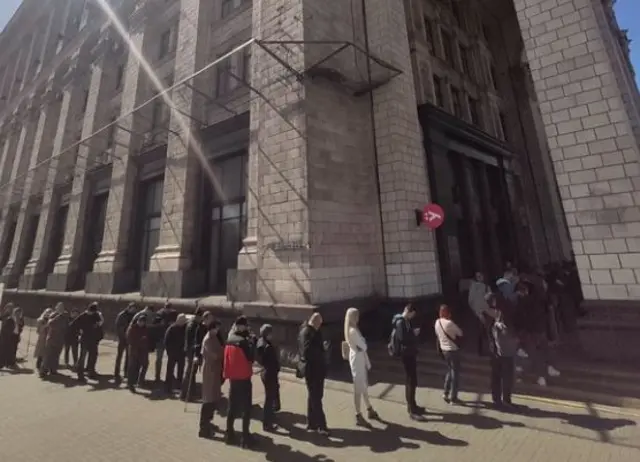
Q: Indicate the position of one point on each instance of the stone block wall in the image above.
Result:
(589, 133)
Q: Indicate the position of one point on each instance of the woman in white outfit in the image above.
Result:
(360, 365)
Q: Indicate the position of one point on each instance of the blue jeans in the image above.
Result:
(451, 379)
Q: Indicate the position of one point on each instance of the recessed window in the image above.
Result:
(111, 133)
(465, 60)
(447, 50)
(456, 102)
(503, 125)
(246, 66)
(165, 44)
(227, 7)
(437, 91)
(428, 32)
(224, 82)
(151, 215)
(119, 76)
(494, 76)
(474, 111)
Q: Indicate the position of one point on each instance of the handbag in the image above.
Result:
(344, 348)
(438, 347)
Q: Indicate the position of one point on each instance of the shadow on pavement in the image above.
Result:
(17, 371)
(587, 421)
(277, 452)
(381, 437)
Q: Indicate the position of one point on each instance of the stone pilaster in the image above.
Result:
(591, 141)
(410, 252)
(171, 273)
(65, 272)
(110, 271)
(18, 193)
(58, 167)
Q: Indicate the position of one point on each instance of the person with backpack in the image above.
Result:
(448, 335)
(403, 344)
(123, 321)
(267, 357)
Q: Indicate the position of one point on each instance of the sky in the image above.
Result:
(627, 11)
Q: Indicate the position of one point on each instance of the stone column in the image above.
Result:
(110, 273)
(65, 272)
(71, 103)
(171, 273)
(410, 252)
(589, 132)
(19, 193)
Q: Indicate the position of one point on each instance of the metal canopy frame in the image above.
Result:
(329, 64)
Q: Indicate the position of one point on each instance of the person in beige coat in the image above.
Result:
(41, 331)
(212, 359)
(56, 334)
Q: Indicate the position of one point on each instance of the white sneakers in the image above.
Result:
(542, 381)
(553, 372)
(519, 369)
(522, 354)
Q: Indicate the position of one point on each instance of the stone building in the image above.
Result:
(272, 154)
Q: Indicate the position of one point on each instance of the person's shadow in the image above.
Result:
(380, 437)
(476, 420)
(588, 422)
(17, 371)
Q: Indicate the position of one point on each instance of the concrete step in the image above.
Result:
(579, 381)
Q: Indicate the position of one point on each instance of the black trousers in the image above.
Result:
(271, 397)
(175, 370)
(136, 366)
(240, 402)
(71, 347)
(120, 353)
(410, 364)
(502, 375)
(189, 381)
(88, 358)
(316, 420)
(207, 411)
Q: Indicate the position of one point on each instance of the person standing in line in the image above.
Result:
(89, 325)
(71, 343)
(314, 370)
(212, 358)
(268, 358)
(7, 332)
(41, 331)
(56, 333)
(174, 346)
(360, 365)
(18, 322)
(195, 332)
(448, 335)
(504, 347)
(149, 313)
(161, 323)
(239, 353)
(138, 346)
(405, 345)
(478, 291)
(123, 321)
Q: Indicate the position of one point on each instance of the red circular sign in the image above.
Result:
(432, 216)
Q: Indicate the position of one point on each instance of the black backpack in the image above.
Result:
(394, 347)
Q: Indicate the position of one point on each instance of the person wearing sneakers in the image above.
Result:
(359, 364)
(503, 347)
(448, 336)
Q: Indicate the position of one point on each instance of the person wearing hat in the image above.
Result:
(138, 351)
(238, 369)
(267, 356)
(212, 357)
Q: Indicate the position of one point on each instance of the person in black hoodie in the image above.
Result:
(195, 332)
(314, 370)
(89, 324)
(174, 346)
(123, 321)
(268, 358)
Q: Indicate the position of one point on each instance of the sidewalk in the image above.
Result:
(68, 422)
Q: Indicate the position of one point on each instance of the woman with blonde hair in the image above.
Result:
(41, 331)
(359, 364)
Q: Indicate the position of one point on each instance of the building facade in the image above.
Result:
(273, 153)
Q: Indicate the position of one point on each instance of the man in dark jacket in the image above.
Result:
(89, 324)
(267, 356)
(313, 367)
(407, 338)
(123, 320)
(504, 346)
(239, 354)
(174, 340)
(161, 323)
(195, 332)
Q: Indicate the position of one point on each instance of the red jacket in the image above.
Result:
(238, 357)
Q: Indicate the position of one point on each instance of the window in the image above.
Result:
(30, 236)
(57, 240)
(157, 116)
(111, 133)
(151, 203)
(85, 101)
(503, 125)
(6, 251)
(227, 8)
(119, 76)
(465, 60)
(428, 32)
(474, 111)
(165, 44)
(95, 234)
(246, 66)
(456, 102)
(447, 51)
(223, 77)
(494, 76)
(437, 91)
